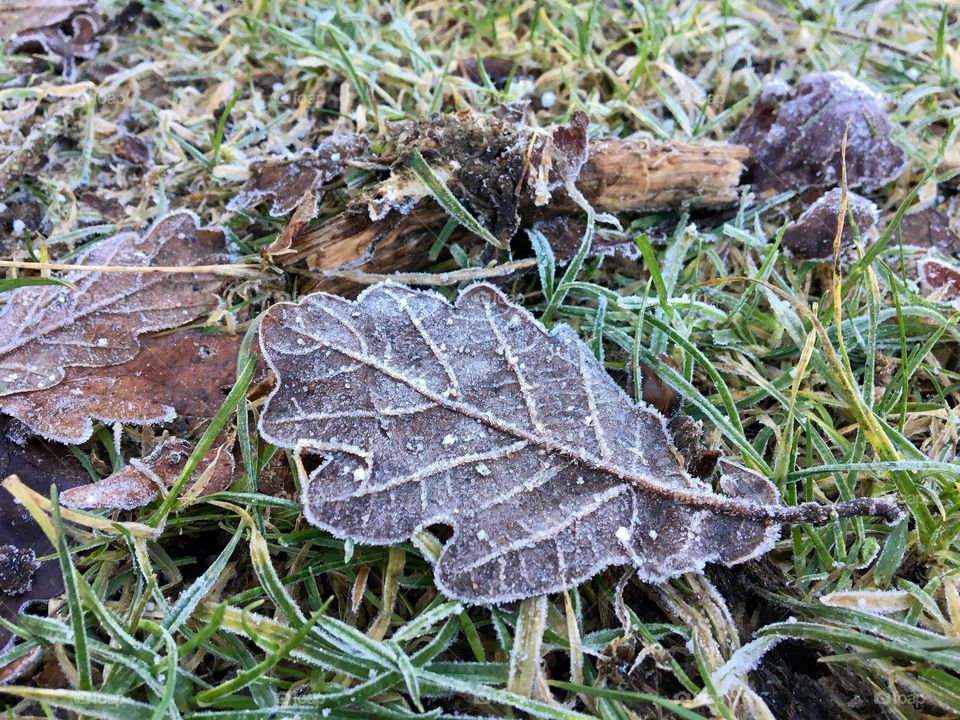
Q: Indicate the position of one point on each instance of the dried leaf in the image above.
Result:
(133, 150)
(17, 566)
(929, 229)
(811, 236)
(19, 16)
(44, 330)
(25, 582)
(565, 234)
(286, 181)
(179, 374)
(794, 135)
(491, 163)
(285, 244)
(80, 42)
(496, 69)
(137, 484)
(939, 275)
(473, 415)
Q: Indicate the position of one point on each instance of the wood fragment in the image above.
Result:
(620, 175)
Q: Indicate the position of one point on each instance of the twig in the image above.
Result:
(435, 279)
(229, 270)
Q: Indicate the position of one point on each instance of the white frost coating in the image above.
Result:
(552, 479)
(42, 329)
(735, 669)
(877, 602)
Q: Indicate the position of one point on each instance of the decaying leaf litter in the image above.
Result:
(873, 419)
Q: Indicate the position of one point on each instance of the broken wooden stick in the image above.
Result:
(620, 175)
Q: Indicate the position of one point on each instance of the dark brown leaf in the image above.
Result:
(286, 181)
(474, 416)
(794, 135)
(656, 392)
(810, 236)
(929, 229)
(179, 374)
(39, 467)
(133, 150)
(136, 484)
(46, 329)
(19, 16)
(939, 275)
(79, 42)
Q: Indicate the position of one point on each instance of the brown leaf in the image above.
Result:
(24, 582)
(301, 217)
(939, 275)
(133, 150)
(497, 70)
(810, 236)
(794, 135)
(136, 484)
(79, 42)
(45, 329)
(930, 229)
(179, 374)
(473, 415)
(286, 181)
(492, 162)
(19, 16)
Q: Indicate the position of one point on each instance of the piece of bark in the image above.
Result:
(620, 175)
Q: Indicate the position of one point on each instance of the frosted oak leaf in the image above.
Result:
(183, 374)
(474, 416)
(45, 329)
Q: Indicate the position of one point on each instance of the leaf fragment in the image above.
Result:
(44, 330)
(794, 135)
(178, 374)
(18, 16)
(23, 582)
(475, 416)
(79, 39)
(810, 236)
(929, 228)
(138, 483)
(285, 181)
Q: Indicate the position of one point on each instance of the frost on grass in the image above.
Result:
(46, 329)
(877, 602)
(285, 181)
(23, 580)
(182, 374)
(138, 483)
(811, 236)
(794, 135)
(474, 416)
